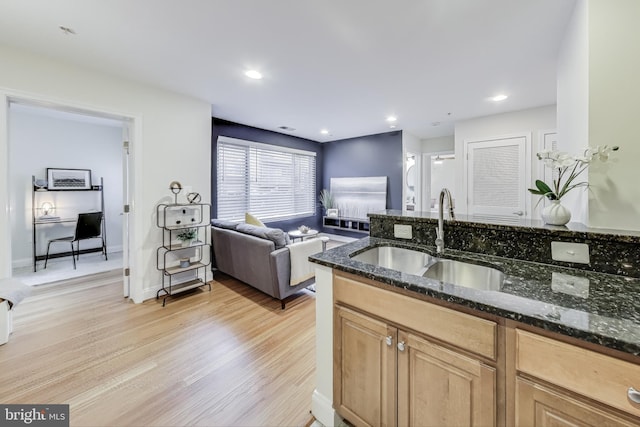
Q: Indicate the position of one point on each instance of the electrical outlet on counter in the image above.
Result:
(570, 252)
(401, 231)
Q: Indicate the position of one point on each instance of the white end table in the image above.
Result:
(297, 234)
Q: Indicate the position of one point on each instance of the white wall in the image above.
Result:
(534, 121)
(37, 142)
(614, 70)
(171, 141)
(441, 144)
(573, 101)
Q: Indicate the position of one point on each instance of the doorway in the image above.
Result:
(442, 173)
(43, 136)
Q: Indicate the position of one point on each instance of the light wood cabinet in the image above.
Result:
(386, 374)
(403, 361)
(365, 358)
(438, 386)
(560, 384)
(540, 406)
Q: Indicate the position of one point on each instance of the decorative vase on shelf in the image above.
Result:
(556, 213)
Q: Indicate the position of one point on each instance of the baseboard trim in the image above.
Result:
(322, 410)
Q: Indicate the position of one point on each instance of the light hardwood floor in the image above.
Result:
(229, 357)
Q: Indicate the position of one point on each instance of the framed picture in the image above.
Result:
(68, 179)
(333, 213)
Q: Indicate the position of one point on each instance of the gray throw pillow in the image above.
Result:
(220, 223)
(277, 236)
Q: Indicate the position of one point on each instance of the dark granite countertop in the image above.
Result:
(572, 229)
(604, 311)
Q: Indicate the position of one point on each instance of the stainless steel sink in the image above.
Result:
(466, 274)
(457, 273)
(400, 259)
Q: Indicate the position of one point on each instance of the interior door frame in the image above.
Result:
(6, 98)
(527, 165)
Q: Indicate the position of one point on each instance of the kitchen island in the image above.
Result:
(557, 332)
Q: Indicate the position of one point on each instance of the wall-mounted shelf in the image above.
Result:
(171, 257)
(358, 225)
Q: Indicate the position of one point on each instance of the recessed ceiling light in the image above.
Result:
(500, 97)
(253, 74)
(67, 30)
(324, 132)
(287, 128)
(392, 126)
(392, 118)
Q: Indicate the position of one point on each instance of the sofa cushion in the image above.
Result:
(252, 220)
(279, 238)
(220, 223)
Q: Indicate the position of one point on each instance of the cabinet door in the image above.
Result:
(539, 406)
(440, 387)
(364, 369)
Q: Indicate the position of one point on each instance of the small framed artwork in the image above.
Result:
(68, 179)
(333, 213)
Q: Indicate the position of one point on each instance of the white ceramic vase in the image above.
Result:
(556, 213)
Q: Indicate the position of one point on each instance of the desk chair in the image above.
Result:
(89, 226)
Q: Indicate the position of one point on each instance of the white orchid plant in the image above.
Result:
(568, 169)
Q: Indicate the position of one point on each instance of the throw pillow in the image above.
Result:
(277, 236)
(252, 220)
(220, 223)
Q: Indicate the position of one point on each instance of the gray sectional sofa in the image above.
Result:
(258, 256)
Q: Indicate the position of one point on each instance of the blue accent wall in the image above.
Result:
(240, 131)
(371, 155)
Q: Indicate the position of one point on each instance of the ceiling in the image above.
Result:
(340, 65)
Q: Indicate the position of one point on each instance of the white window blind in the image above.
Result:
(271, 182)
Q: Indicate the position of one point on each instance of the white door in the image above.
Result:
(497, 176)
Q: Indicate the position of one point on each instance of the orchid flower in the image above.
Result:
(568, 169)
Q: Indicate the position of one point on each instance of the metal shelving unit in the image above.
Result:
(183, 266)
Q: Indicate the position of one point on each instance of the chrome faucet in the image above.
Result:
(440, 230)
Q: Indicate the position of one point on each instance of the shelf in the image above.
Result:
(184, 286)
(181, 287)
(176, 270)
(177, 247)
(356, 225)
(174, 219)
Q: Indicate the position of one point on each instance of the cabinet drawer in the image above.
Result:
(594, 375)
(460, 329)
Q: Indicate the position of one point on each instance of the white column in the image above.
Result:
(322, 399)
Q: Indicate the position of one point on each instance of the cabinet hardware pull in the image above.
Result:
(401, 346)
(389, 340)
(634, 395)
(519, 213)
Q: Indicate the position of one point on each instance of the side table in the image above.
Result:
(297, 234)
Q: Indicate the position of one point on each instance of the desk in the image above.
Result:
(297, 234)
(68, 204)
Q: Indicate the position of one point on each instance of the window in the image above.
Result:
(273, 183)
